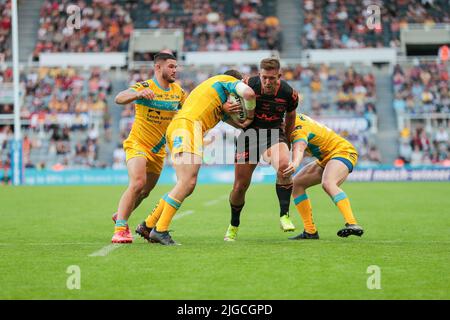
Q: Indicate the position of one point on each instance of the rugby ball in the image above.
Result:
(241, 115)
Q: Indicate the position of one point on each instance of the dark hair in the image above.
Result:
(270, 64)
(163, 56)
(233, 73)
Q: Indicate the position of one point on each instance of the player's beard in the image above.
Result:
(168, 78)
(269, 90)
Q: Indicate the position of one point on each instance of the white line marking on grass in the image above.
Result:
(103, 252)
(106, 250)
(183, 214)
(215, 201)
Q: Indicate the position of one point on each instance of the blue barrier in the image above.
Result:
(224, 174)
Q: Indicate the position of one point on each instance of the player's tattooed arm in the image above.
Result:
(130, 95)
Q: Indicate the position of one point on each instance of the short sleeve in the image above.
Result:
(139, 86)
(293, 101)
(300, 133)
(231, 86)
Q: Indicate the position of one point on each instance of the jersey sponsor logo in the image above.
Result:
(266, 117)
(279, 100)
(154, 111)
(145, 84)
(154, 116)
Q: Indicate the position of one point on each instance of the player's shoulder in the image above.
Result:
(176, 86)
(224, 78)
(288, 92)
(285, 87)
(142, 84)
(303, 118)
(255, 80)
(147, 83)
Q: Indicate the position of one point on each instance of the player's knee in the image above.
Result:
(328, 186)
(145, 193)
(241, 188)
(281, 168)
(137, 186)
(189, 185)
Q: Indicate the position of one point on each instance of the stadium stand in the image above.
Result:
(327, 24)
(105, 27)
(208, 25)
(5, 30)
(422, 106)
(63, 113)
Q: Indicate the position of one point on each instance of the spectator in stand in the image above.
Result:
(441, 136)
(5, 31)
(105, 27)
(422, 88)
(340, 24)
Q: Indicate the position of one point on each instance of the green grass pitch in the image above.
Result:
(47, 229)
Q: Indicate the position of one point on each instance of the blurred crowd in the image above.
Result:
(421, 88)
(343, 23)
(328, 90)
(66, 91)
(420, 148)
(218, 25)
(63, 112)
(105, 26)
(5, 30)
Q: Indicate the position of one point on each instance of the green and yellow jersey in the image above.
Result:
(322, 142)
(154, 116)
(204, 103)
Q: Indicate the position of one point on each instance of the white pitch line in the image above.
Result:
(183, 214)
(215, 201)
(103, 252)
(106, 250)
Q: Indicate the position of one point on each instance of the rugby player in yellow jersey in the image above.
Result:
(156, 101)
(336, 158)
(202, 110)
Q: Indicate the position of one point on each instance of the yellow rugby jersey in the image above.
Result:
(153, 116)
(204, 103)
(321, 140)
